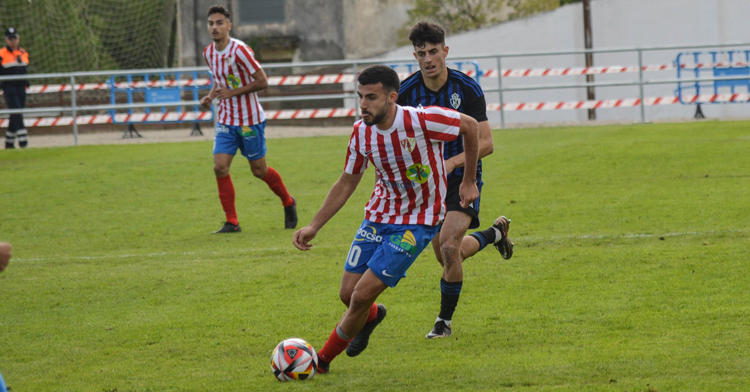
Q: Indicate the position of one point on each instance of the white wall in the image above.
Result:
(615, 24)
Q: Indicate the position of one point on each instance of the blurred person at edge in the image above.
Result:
(5, 250)
(14, 60)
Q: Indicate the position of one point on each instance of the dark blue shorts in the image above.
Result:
(251, 140)
(453, 199)
(388, 250)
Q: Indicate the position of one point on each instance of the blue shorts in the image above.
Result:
(388, 250)
(251, 140)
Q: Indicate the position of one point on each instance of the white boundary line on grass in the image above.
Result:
(630, 236)
(276, 249)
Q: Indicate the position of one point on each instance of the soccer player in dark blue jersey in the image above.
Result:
(437, 85)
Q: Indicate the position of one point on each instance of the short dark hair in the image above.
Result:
(218, 9)
(426, 32)
(375, 74)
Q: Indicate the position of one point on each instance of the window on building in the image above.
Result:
(261, 11)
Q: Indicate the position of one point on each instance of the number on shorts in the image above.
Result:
(354, 253)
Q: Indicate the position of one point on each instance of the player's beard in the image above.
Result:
(379, 117)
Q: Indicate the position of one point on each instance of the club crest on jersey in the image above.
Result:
(409, 143)
(455, 101)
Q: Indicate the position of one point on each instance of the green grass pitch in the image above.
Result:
(630, 270)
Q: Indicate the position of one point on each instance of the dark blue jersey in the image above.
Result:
(460, 92)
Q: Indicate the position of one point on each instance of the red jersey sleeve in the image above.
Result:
(442, 125)
(356, 162)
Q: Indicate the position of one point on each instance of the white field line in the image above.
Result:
(343, 247)
(630, 236)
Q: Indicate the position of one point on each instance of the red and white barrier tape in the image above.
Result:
(299, 80)
(620, 103)
(56, 88)
(515, 73)
(107, 119)
(346, 112)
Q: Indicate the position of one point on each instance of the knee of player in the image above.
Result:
(450, 252)
(259, 172)
(345, 297)
(221, 170)
(358, 301)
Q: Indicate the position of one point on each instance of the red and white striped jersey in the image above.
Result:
(408, 160)
(232, 68)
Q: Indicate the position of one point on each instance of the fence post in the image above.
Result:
(356, 104)
(640, 84)
(73, 106)
(500, 92)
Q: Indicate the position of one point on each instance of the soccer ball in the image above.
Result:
(294, 359)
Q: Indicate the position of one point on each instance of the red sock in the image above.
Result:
(373, 312)
(333, 347)
(226, 196)
(273, 179)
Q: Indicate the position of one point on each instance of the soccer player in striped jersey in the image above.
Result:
(237, 76)
(436, 84)
(405, 146)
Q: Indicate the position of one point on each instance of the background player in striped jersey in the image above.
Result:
(237, 76)
(436, 84)
(406, 207)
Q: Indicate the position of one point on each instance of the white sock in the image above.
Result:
(447, 322)
(498, 235)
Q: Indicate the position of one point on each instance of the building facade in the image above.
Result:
(298, 30)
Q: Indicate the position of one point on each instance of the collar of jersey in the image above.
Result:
(398, 120)
(225, 50)
(442, 88)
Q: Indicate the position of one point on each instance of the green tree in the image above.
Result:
(454, 15)
(524, 8)
(89, 35)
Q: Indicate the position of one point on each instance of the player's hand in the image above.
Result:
(223, 93)
(5, 250)
(206, 101)
(303, 236)
(468, 193)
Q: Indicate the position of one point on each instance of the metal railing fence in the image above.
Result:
(353, 67)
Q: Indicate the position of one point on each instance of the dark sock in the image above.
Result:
(484, 237)
(450, 291)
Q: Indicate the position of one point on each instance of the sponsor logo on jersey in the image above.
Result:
(406, 243)
(400, 185)
(222, 129)
(455, 101)
(368, 233)
(234, 81)
(418, 172)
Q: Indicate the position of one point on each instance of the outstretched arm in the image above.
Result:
(338, 195)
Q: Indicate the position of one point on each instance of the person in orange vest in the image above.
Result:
(14, 61)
